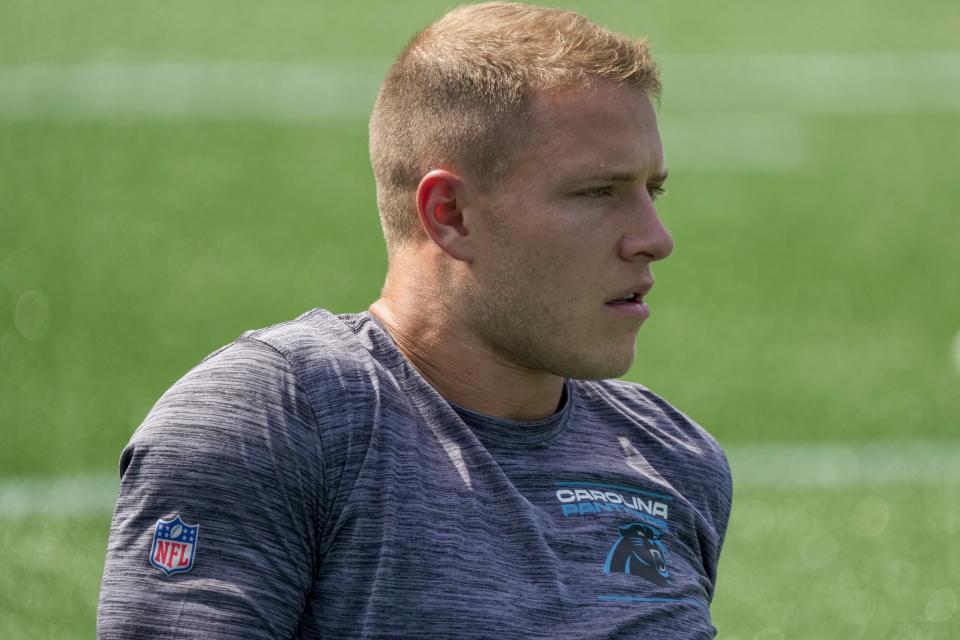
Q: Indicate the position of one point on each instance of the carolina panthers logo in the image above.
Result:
(639, 552)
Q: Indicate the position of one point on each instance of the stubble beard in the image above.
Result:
(529, 330)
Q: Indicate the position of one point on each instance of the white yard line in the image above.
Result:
(754, 142)
(200, 90)
(782, 466)
(58, 496)
(955, 352)
(720, 113)
(188, 91)
(755, 467)
(830, 84)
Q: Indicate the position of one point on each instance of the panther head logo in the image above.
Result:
(639, 552)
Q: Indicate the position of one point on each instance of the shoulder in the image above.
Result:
(322, 375)
(318, 356)
(323, 349)
(295, 368)
(683, 452)
(316, 339)
(678, 437)
(639, 403)
(242, 396)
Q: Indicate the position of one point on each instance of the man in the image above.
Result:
(453, 462)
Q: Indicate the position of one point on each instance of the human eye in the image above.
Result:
(601, 191)
(656, 191)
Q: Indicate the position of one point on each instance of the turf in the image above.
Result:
(804, 304)
(51, 575)
(841, 563)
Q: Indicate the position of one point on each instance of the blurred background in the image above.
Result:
(172, 174)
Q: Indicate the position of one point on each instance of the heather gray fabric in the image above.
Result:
(338, 495)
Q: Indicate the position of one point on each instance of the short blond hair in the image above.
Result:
(458, 96)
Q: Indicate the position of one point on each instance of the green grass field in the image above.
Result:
(812, 304)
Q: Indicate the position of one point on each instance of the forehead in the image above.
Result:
(602, 127)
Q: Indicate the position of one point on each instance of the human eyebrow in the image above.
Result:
(611, 177)
(657, 179)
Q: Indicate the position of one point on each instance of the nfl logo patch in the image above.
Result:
(174, 545)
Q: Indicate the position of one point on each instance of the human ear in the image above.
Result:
(440, 208)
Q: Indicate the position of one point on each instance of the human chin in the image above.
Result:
(600, 363)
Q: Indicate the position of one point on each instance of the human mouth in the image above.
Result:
(631, 305)
(627, 299)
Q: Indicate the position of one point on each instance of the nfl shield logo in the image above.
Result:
(174, 545)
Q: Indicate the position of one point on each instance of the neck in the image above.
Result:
(455, 361)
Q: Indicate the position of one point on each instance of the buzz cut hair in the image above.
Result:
(458, 97)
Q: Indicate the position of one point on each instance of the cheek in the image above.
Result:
(552, 255)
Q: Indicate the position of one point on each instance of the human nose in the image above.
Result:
(648, 237)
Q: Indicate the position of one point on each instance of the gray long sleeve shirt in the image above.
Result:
(305, 481)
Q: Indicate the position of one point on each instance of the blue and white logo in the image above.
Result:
(639, 551)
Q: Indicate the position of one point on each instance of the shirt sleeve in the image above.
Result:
(233, 448)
